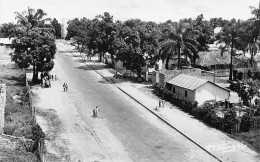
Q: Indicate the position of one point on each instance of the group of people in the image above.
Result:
(45, 79)
(65, 87)
(53, 77)
(161, 104)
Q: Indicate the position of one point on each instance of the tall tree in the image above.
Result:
(8, 30)
(35, 43)
(30, 18)
(103, 34)
(57, 27)
(253, 32)
(182, 36)
(231, 37)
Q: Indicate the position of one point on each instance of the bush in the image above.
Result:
(166, 94)
(235, 73)
(249, 74)
(240, 75)
(245, 123)
(230, 121)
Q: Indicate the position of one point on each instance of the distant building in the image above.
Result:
(196, 89)
(5, 43)
(64, 25)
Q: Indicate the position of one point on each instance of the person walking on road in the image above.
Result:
(96, 112)
(64, 87)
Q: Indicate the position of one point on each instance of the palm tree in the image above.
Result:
(181, 36)
(253, 32)
(30, 19)
(231, 35)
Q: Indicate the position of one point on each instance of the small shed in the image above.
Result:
(196, 89)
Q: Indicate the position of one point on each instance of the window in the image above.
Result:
(173, 89)
(186, 94)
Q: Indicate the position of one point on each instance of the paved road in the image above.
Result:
(125, 130)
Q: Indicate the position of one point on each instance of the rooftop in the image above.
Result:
(187, 81)
(6, 41)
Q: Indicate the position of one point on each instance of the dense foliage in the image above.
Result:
(34, 41)
(136, 42)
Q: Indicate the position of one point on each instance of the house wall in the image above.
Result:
(209, 91)
(181, 92)
(2, 106)
(2, 49)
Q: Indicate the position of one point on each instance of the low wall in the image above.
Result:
(15, 143)
(2, 106)
(225, 72)
(41, 142)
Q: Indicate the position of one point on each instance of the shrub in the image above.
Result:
(230, 121)
(235, 73)
(249, 74)
(245, 123)
(240, 75)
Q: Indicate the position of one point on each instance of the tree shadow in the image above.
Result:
(66, 51)
(92, 67)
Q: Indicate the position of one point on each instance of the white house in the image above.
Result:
(5, 43)
(196, 89)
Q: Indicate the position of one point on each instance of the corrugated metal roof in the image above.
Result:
(187, 81)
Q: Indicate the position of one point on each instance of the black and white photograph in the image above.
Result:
(129, 80)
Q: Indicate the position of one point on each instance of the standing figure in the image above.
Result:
(64, 87)
(55, 77)
(97, 111)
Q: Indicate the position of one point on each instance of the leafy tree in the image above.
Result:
(230, 121)
(182, 36)
(72, 28)
(253, 32)
(8, 30)
(35, 42)
(230, 36)
(30, 19)
(245, 123)
(57, 27)
(129, 44)
(205, 32)
(37, 48)
(103, 34)
(80, 31)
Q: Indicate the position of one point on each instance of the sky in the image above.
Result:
(146, 10)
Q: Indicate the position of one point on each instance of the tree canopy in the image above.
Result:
(135, 41)
(34, 42)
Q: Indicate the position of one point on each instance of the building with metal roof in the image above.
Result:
(196, 89)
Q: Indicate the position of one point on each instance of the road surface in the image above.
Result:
(125, 130)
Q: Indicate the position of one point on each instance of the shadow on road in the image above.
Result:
(91, 67)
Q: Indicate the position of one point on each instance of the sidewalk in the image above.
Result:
(214, 141)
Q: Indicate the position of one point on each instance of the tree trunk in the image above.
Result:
(167, 62)
(231, 60)
(35, 75)
(112, 61)
(252, 57)
(179, 56)
(101, 56)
